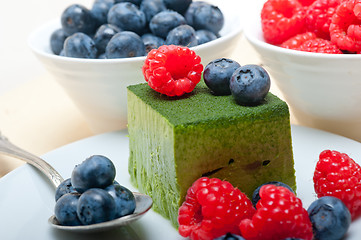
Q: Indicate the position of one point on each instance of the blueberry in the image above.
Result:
(229, 236)
(250, 84)
(102, 56)
(95, 205)
(96, 171)
(124, 200)
(80, 45)
(57, 39)
(136, 2)
(77, 18)
(204, 36)
(218, 73)
(330, 218)
(178, 5)
(66, 209)
(164, 21)
(100, 10)
(151, 41)
(209, 17)
(151, 8)
(256, 197)
(64, 188)
(183, 35)
(125, 44)
(102, 36)
(127, 17)
(188, 15)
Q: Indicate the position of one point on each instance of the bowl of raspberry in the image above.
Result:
(94, 52)
(311, 50)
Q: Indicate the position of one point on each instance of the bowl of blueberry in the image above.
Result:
(311, 49)
(94, 52)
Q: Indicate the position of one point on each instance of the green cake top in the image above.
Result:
(201, 106)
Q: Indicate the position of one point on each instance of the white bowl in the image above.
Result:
(98, 86)
(322, 90)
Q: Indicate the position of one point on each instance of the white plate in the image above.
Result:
(27, 198)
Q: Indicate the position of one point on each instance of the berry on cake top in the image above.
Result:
(175, 70)
(172, 70)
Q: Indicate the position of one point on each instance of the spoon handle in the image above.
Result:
(6, 147)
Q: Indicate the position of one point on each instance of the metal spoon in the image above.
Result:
(143, 202)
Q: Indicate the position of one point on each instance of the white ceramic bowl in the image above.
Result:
(98, 86)
(322, 90)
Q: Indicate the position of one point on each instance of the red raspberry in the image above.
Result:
(296, 41)
(172, 70)
(320, 45)
(282, 19)
(279, 215)
(308, 42)
(212, 208)
(345, 27)
(306, 2)
(319, 15)
(338, 175)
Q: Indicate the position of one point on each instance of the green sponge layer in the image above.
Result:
(174, 141)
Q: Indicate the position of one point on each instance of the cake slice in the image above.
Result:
(175, 141)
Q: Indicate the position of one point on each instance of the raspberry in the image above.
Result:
(320, 45)
(212, 208)
(306, 2)
(282, 19)
(345, 27)
(172, 70)
(319, 15)
(296, 41)
(308, 42)
(338, 175)
(279, 215)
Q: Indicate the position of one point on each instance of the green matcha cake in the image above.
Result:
(174, 141)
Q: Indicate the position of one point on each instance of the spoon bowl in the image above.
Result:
(143, 202)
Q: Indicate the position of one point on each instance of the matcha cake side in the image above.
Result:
(174, 141)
